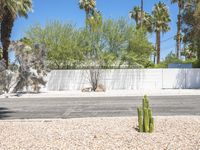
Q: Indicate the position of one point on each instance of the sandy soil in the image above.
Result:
(180, 133)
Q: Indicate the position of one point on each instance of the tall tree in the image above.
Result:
(139, 49)
(142, 10)
(9, 4)
(144, 22)
(89, 8)
(87, 5)
(135, 14)
(178, 36)
(9, 11)
(6, 29)
(191, 27)
(161, 19)
(93, 20)
(64, 42)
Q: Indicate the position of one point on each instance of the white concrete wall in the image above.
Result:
(130, 79)
(174, 78)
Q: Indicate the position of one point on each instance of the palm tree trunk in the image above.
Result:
(137, 24)
(6, 29)
(1, 12)
(178, 38)
(158, 46)
(86, 20)
(155, 53)
(142, 3)
(1, 18)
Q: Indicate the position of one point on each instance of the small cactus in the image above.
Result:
(151, 127)
(145, 119)
(140, 120)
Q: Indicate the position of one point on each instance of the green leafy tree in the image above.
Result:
(109, 42)
(116, 34)
(139, 50)
(170, 58)
(161, 21)
(63, 42)
(70, 47)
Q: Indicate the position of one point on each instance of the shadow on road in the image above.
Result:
(4, 112)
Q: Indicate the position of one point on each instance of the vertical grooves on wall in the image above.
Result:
(185, 78)
(162, 78)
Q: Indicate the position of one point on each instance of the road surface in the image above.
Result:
(48, 108)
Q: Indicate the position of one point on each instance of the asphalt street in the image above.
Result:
(46, 108)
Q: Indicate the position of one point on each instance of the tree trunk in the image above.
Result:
(155, 53)
(178, 38)
(6, 29)
(198, 51)
(137, 24)
(1, 11)
(158, 46)
(198, 55)
(142, 3)
(87, 21)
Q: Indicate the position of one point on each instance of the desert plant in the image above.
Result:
(94, 75)
(6, 78)
(31, 70)
(145, 119)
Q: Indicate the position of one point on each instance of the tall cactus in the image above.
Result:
(140, 120)
(145, 119)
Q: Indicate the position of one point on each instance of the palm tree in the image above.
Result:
(145, 21)
(9, 11)
(88, 6)
(178, 36)
(138, 14)
(142, 10)
(93, 17)
(6, 28)
(10, 4)
(135, 14)
(161, 19)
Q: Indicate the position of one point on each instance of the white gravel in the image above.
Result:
(172, 133)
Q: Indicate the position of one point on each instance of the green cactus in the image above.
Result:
(147, 103)
(143, 103)
(151, 127)
(145, 119)
(150, 113)
(140, 120)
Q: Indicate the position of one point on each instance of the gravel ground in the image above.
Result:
(173, 133)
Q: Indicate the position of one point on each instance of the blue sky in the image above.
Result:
(68, 10)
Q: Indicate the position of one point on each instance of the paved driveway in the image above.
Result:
(95, 107)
